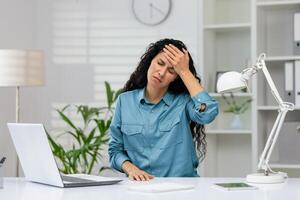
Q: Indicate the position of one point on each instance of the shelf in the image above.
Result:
(223, 12)
(241, 132)
(271, 108)
(238, 94)
(285, 166)
(261, 108)
(276, 3)
(228, 27)
(282, 58)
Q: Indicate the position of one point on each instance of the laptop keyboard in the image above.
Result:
(75, 180)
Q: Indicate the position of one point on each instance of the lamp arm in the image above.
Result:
(265, 156)
(279, 125)
(284, 107)
(272, 85)
(262, 65)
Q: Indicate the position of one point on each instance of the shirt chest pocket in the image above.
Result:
(171, 133)
(132, 137)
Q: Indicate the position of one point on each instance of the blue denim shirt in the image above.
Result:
(157, 137)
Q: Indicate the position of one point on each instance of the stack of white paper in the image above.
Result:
(160, 187)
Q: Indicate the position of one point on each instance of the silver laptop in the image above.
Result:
(38, 162)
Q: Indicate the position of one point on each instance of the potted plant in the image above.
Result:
(236, 109)
(88, 140)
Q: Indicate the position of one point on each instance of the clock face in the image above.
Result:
(151, 12)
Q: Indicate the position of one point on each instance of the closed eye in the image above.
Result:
(160, 62)
(171, 70)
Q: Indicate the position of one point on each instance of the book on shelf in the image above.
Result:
(289, 93)
(297, 83)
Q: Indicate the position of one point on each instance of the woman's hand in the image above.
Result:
(134, 173)
(178, 59)
(180, 62)
(139, 175)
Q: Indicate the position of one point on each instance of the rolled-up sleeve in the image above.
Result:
(116, 152)
(211, 108)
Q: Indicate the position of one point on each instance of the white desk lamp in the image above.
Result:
(233, 81)
(20, 67)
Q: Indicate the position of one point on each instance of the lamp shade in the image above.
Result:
(21, 67)
(230, 82)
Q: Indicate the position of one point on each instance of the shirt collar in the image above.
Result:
(167, 98)
(141, 96)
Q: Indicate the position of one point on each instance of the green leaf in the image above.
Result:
(64, 108)
(66, 119)
(103, 168)
(74, 135)
(87, 113)
(109, 94)
(91, 135)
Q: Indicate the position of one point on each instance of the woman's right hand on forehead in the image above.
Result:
(178, 59)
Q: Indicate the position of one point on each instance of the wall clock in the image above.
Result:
(151, 12)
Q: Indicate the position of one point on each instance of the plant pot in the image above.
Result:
(236, 122)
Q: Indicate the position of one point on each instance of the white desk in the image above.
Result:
(19, 189)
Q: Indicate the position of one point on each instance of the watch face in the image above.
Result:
(151, 12)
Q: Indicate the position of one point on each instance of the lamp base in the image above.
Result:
(263, 179)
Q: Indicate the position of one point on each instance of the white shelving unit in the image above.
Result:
(234, 33)
(284, 166)
(244, 94)
(276, 3)
(227, 27)
(283, 58)
(272, 108)
(228, 131)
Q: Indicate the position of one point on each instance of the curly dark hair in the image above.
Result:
(138, 80)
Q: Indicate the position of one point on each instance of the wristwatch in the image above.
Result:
(202, 107)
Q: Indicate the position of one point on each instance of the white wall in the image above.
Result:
(17, 23)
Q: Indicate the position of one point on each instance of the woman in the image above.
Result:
(159, 117)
